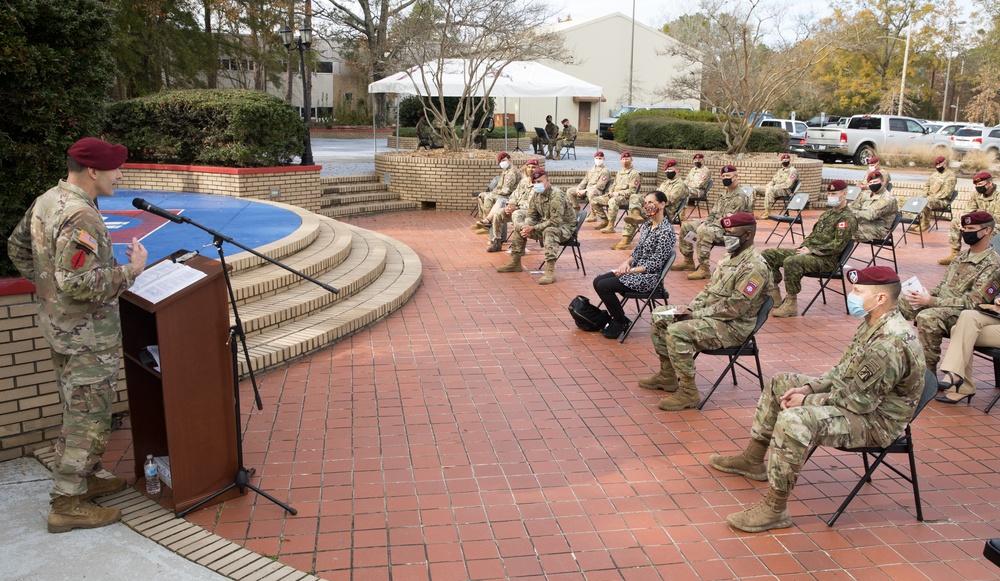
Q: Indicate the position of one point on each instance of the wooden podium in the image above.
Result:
(186, 411)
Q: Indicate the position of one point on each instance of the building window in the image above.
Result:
(236, 64)
(324, 67)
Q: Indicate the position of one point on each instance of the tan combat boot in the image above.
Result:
(592, 217)
(550, 273)
(776, 297)
(495, 246)
(609, 229)
(101, 486)
(764, 215)
(513, 266)
(635, 217)
(624, 244)
(666, 379)
(770, 513)
(789, 308)
(749, 463)
(702, 272)
(686, 396)
(72, 512)
(602, 224)
(688, 263)
(947, 261)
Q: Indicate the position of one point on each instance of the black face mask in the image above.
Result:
(697, 164)
(671, 175)
(940, 169)
(785, 163)
(970, 238)
(727, 182)
(874, 187)
(981, 189)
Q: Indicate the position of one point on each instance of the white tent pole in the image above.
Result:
(397, 128)
(374, 135)
(598, 124)
(505, 127)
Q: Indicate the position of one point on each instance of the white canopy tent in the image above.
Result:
(517, 79)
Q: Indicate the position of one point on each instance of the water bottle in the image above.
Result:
(152, 477)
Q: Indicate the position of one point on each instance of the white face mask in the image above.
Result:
(872, 167)
(539, 188)
(732, 242)
(833, 201)
(504, 164)
(598, 161)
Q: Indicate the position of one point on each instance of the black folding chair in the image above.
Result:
(624, 209)
(648, 301)
(748, 347)
(939, 214)
(676, 218)
(786, 199)
(825, 278)
(698, 200)
(573, 243)
(991, 354)
(796, 204)
(570, 147)
(914, 205)
(877, 246)
(903, 444)
(519, 130)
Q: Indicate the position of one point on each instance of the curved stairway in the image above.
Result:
(285, 316)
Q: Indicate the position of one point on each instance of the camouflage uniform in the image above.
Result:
(709, 231)
(509, 179)
(626, 185)
(677, 191)
(827, 240)
(940, 186)
(988, 202)
(971, 279)
(697, 180)
(865, 400)
(886, 179)
(723, 314)
(426, 133)
(875, 214)
(592, 185)
(554, 220)
(521, 197)
(567, 138)
(550, 131)
(780, 185)
(62, 246)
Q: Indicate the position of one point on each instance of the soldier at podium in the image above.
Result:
(63, 247)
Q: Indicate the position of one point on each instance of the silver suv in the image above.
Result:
(977, 138)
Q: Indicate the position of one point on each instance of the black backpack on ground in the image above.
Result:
(587, 316)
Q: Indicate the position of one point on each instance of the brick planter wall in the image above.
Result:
(299, 185)
(754, 170)
(447, 182)
(30, 408)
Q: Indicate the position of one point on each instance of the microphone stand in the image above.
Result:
(241, 480)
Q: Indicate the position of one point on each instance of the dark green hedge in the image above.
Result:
(229, 127)
(655, 129)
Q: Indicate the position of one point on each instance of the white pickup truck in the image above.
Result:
(865, 135)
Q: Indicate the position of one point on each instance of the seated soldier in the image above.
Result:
(624, 191)
(426, 134)
(592, 184)
(973, 329)
(973, 277)
(780, 185)
(875, 209)
(874, 165)
(938, 190)
(707, 232)
(674, 187)
(985, 199)
(506, 182)
(818, 253)
(698, 176)
(513, 210)
(550, 218)
(550, 132)
(867, 399)
(722, 315)
(566, 138)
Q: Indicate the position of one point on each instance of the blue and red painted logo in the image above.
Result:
(127, 224)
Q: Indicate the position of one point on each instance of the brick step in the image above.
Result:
(364, 265)
(341, 199)
(302, 237)
(343, 210)
(348, 179)
(397, 283)
(358, 188)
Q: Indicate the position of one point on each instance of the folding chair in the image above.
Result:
(573, 243)
(748, 347)
(676, 218)
(993, 355)
(903, 444)
(702, 199)
(939, 214)
(794, 189)
(914, 205)
(797, 204)
(519, 130)
(650, 300)
(852, 193)
(876, 246)
(475, 195)
(624, 209)
(826, 278)
(569, 147)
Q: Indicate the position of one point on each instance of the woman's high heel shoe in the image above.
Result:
(954, 383)
(954, 397)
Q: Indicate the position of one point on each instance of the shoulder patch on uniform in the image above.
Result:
(867, 371)
(991, 291)
(750, 287)
(83, 238)
(79, 258)
(506, 180)
(842, 224)
(636, 181)
(604, 177)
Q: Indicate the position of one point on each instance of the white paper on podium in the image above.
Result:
(911, 285)
(164, 279)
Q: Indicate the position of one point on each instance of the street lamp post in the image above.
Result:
(947, 78)
(302, 43)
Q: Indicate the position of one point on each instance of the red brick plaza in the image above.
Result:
(477, 434)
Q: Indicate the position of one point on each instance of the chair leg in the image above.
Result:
(843, 283)
(857, 488)
(730, 367)
(913, 475)
(996, 383)
(760, 373)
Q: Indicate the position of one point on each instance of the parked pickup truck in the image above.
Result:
(864, 136)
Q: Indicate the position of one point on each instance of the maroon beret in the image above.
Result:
(728, 169)
(874, 175)
(531, 161)
(872, 275)
(939, 159)
(699, 156)
(836, 186)
(738, 219)
(565, 121)
(785, 156)
(98, 154)
(977, 217)
(670, 163)
(982, 176)
(626, 154)
(538, 173)
(502, 155)
(872, 160)
(599, 154)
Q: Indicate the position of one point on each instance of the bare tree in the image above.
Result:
(748, 62)
(485, 36)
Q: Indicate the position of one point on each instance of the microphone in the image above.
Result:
(146, 206)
